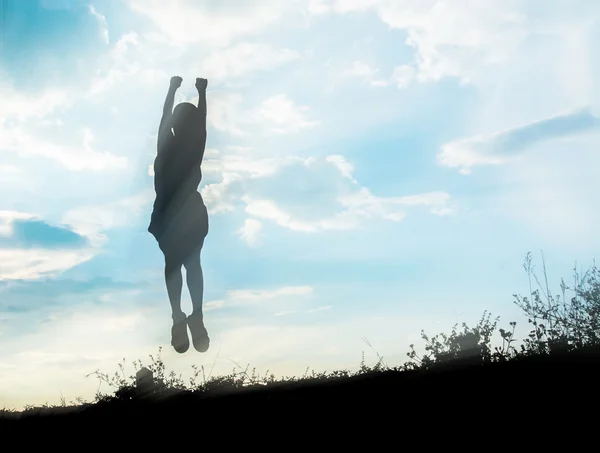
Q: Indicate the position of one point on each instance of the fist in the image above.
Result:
(201, 84)
(176, 81)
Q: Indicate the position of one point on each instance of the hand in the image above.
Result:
(176, 81)
(201, 84)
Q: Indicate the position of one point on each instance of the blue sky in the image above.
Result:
(373, 168)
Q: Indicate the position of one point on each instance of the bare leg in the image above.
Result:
(174, 281)
(195, 281)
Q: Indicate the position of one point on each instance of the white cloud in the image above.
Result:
(340, 6)
(102, 21)
(17, 140)
(225, 112)
(350, 205)
(277, 114)
(131, 56)
(361, 69)
(502, 147)
(318, 7)
(403, 75)
(354, 208)
(8, 217)
(464, 39)
(345, 167)
(284, 115)
(21, 106)
(213, 23)
(9, 169)
(366, 72)
(234, 169)
(212, 305)
(243, 179)
(94, 220)
(29, 264)
(18, 135)
(266, 209)
(219, 197)
(250, 232)
(284, 313)
(244, 296)
(245, 58)
(245, 165)
(364, 203)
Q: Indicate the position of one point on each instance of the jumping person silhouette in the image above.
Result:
(179, 221)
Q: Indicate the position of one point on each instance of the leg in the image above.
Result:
(195, 279)
(174, 281)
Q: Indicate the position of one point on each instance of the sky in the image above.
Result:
(373, 168)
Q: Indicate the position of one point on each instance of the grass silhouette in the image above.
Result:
(555, 362)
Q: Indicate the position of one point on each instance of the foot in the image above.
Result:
(179, 335)
(199, 333)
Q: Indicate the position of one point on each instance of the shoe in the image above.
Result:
(179, 335)
(199, 333)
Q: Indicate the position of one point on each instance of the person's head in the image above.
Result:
(184, 120)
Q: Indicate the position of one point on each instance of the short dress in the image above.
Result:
(179, 220)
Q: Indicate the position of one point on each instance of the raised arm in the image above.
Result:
(201, 85)
(168, 109)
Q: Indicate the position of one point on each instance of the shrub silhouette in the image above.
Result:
(558, 325)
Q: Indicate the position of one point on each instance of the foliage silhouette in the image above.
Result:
(559, 325)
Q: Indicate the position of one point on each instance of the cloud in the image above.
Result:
(502, 147)
(278, 114)
(93, 221)
(345, 168)
(250, 232)
(232, 170)
(32, 249)
(35, 233)
(219, 197)
(31, 264)
(403, 75)
(225, 113)
(246, 165)
(73, 158)
(354, 209)
(362, 70)
(34, 295)
(245, 58)
(213, 305)
(258, 295)
(450, 38)
(284, 115)
(131, 56)
(19, 113)
(102, 21)
(318, 7)
(274, 300)
(214, 23)
(9, 169)
(321, 194)
(304, 194)
(21, 106)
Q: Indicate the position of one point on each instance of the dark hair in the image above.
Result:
(185, 118)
